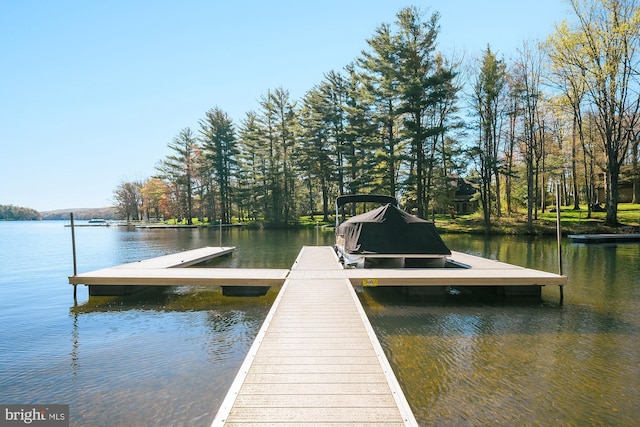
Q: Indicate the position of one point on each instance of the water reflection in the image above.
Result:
(173, 298)
(187, 344)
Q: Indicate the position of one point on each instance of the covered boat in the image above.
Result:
(388, 236)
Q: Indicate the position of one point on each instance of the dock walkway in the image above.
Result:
(316, 359)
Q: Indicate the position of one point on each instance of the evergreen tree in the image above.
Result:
(220, 152)
(380, 67)
(253, 165)
(314, 160)
(278, 123)
(427, 95)
(360, 134)
(488, 91)
(179, 170)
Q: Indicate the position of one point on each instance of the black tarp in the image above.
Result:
(389, 230)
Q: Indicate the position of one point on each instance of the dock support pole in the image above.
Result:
(559, 236)
(73, 247)
(220, 231)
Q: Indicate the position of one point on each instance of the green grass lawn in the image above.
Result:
(572, 222)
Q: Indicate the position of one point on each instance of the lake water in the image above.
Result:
(168, 357)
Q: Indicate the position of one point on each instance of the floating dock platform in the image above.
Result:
(168, 271)
(468, 270)
(316, 359)
(604, 238)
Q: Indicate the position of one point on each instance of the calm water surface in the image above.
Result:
(168, 357)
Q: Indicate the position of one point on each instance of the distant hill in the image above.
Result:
(18, 213)
(82, 213)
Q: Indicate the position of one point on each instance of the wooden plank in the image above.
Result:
(316, 400)
(314, 424)
(314, 353)
(313, 341)
(317, 258)
(315, 378)
(315, 368)
(478, 272)
(476, 262)
(326, 360)
(322, 334)
(364, 390)
(317, 415)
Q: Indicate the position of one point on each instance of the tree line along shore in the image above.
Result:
(407, 120)
(572, 221)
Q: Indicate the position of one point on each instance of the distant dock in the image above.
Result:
(604, 238)
(164, 226)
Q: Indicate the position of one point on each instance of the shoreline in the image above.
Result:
(572, 222)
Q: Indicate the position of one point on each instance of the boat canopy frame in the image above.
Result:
(373, 198)
(382, 199)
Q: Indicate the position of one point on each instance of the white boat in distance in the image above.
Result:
(99, 221)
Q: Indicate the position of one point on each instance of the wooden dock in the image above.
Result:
(472, 271)
(181, 259)
(167, 271)
(605, 238)
(316, 359)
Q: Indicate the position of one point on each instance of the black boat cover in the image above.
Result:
(390, 230)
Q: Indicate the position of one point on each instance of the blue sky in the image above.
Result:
(91, 92)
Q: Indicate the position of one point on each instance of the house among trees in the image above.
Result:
(464, 195)
(627, 185)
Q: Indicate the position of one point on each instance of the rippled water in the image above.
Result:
(168, 357)
(467, 362)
